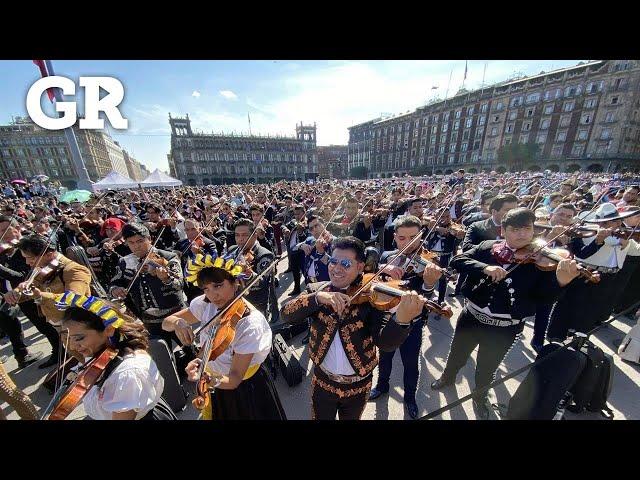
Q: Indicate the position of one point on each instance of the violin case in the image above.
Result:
(629, 349)
(546, 384)
(288, 330)
(283, 358)
(173, 392)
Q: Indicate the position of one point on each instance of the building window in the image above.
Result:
(561, 137)
(614, 100)
(469, 122)
(548, 109)
(465, 135)
(434, 129)
(577, 150)
(476, 145)
(530, 112)
(499, 106)
(585, 119)
(565, 121)
(496, 118)
(516, 101)
(590, 103)
(583, 134)
(445, 117)
(606, 133)
(458, 112)
(464, 147)
(433, 139)
(509, 127)
(470, 110)
(442, 148)
(533, 97)
(526, 126)
(513, 115)
(524, 138)
(454, 137)
(452, 147)
(443, 138)
(609, 117)
(474, 157)
(434, 119)
(445, 127)
(484, 107)
(568, 106)
(556, 151)
(452, 158)
(494, 131)
(432, 150)
(544, 124)
(482, 119)
(456, 125)
(542, 137)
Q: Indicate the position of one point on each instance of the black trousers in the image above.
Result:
(30, 310)
(295, 265)
(11, 326)
(494, 343)
(443, 262)
(329, 398)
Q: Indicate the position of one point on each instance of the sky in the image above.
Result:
(219, 96)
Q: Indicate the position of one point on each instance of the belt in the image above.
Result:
(494, 321)
(345, 379)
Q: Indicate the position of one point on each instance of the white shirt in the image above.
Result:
(336, 361)
(135, 384)
(253, 335)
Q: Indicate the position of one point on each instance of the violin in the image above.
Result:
(42, 274)
(576, 231)
(386, 295)
(65, 401)
(154, 261)
(219, 337)
(547, 259)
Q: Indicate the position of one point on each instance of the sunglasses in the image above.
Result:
(345, 262)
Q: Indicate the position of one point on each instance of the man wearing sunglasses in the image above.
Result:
(344, 334)
(407, 231)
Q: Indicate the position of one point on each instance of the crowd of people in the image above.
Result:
(194, 267)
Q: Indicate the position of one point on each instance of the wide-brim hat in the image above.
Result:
(606, 213)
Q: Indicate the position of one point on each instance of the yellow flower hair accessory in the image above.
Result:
(226, 263)
(94, 305)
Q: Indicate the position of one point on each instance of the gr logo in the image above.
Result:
(93, 103)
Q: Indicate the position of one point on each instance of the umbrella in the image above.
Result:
(75, 196)
(40, 178)
(21, 182)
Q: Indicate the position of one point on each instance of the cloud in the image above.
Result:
(228, 94)
(196, 94)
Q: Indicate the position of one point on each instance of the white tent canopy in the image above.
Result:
(114, 181)
(159, 179)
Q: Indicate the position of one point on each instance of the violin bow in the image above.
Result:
(400, 252)
(541, 247)
(144, 261)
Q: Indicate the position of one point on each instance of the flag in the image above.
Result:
(43, 71)
(465, 69)
(434, 88)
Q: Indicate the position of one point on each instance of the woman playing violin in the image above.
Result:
(244, 389)
(130, 388)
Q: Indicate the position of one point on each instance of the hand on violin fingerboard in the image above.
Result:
(566, 271)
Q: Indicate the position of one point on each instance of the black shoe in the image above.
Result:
(412, 408)
(53, 360)
(294, 292)
(28, 359)
(482, 408)
(442, 382)
(376, 393)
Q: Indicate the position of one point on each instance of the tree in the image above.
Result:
(516, 155)
(421, 170)
(359, 172)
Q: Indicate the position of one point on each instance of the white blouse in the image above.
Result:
(253, 335)
(135, 384)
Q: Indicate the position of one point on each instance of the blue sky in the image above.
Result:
(276, 93)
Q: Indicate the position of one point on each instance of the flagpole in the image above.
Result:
(447, 92)
(84, 182)
(483, 74)
(249, 117)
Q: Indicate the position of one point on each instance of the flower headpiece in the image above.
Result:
(226, 263)
(95, 305)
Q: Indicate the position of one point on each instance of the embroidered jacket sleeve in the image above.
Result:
(175, 276)
(300, 308)
(469, 260)
(387, 334)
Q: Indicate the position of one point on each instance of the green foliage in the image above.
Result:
(517, 155)
(359, 172)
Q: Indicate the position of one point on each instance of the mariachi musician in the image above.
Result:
(242, 387)
(501, 294)
(52, 273)
(120, 380)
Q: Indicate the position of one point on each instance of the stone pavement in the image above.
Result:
(435, 346)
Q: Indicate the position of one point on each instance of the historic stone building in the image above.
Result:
(27, 150)
(202, 159)
(583, 117)
(332, 161)
(135, 170)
